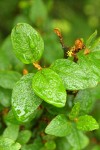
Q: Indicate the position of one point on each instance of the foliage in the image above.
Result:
(49, 96)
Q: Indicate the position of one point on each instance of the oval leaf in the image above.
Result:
(73, 75)
(87, 123)
(48, 85)
(27, 43)
(24, 100)
(59, 126)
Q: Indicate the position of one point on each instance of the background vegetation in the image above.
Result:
(75, 19)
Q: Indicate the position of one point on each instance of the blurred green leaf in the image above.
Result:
(87, 99)
(77, 139)
(24, 136)
(75, 111)
(87, 123)
(91, 39)
(36, 145)
(11, 132)
(4, 62)
(38, 12)
(97, 147)
(8, 144)
(27, 43)
(52, 51)
(59, 126)
(7, 49)
(21, 18)
(95, 47)
(48, 85)
(10, 118)
(24, 100)
(50, 145)
(5, 97)
(9, 78)
(62, 144)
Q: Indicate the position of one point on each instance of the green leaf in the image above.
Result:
(5, 97)
(96, 46)
(91, 67)
(77, 139)
(38, 6)
(73, 75)
(11, 132)
(96, 91)
(62, 144)
(52, 51)
(27, 43)
(7, 50)
(48, 85)
(4, 62)
(24, 136)
(91, 39)
(75, 111)
(9, 78)
(50, 145)
(10, 118)
(87, 123)
(54, 110)
(24, 100)
(36, 145)
(59, 126)
(97, 147)
(86, 99)
(8, 144)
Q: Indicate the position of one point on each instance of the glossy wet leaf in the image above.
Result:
(48, 86)
(27, 43)
(5, 97)
(11, 132)
(9, 78)
(73, 75)
(8, 144)
(87, 123)
(77, 139)
(75, 111)
(24, 100)
(24, 136)
(91, 67)
(59, 126)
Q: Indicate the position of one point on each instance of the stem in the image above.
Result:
(36, 65)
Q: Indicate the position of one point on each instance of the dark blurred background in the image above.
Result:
(74, 17)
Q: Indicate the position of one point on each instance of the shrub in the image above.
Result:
(50, 106)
